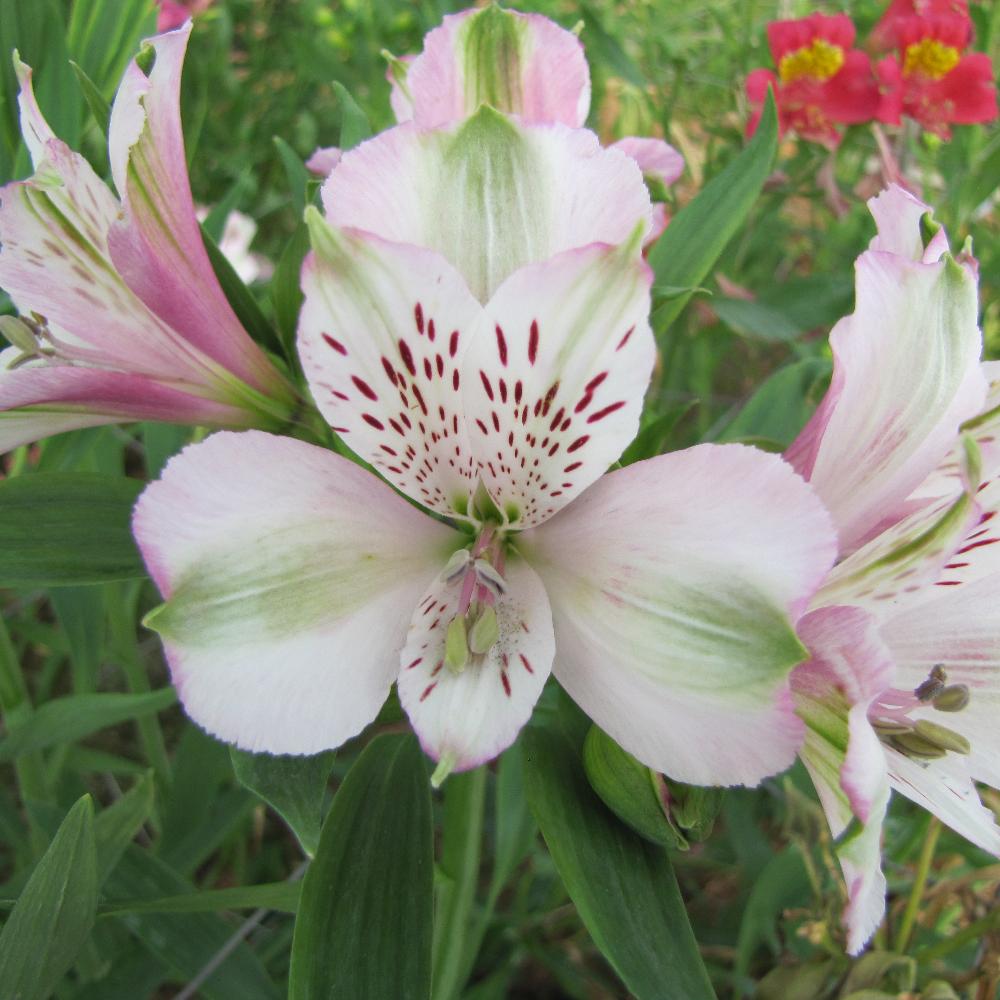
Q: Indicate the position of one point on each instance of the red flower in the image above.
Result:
(885, 34)
(932, 82)
(821, 80)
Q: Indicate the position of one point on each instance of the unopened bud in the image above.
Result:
(694, 808)
(634, 793)
(952, 698)
(484, 633)
(456, 646)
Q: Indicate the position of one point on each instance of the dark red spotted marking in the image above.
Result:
(390, 371)
(453, 343)
(486, 385)
(505, 680)
(373, 421)
(501, 345)
(572, 466)
(524, 659)
(407, 355)
(418, 315)
(430, 330)
(364, 388)
(601, 414)
(427, 690)
(334, 343)
(533, 341)
(454, 380)
(578, 443)
(624, 340)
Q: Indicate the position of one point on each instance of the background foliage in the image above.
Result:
(149, 861)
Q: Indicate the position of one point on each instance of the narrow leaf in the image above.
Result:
(699, 232)
(64, 720)
(623, 887)
(354, 125)
(294, 787)
(67, 528)
(295, 171)
(116, 826)
(282, 896)
(99, 106)
(364, 922)
(55, 911)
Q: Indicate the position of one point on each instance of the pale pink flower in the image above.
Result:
(122, 316)
(475, 327)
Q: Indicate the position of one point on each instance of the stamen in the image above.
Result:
(490, 578)
(456, 565)
(953, 698)
(484, 633)
(456, 645)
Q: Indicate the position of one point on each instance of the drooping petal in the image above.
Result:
(944, 787)
(849, 667)
(324, 159)
(672, 584)
(522, 64)
(468, 718)
(381, 335)
(886, 422)
(553, 384)
(158, 247)
(490, 194)
(289, 575)
(48, 399)
(655, 157)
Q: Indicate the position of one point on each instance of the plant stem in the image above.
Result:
(959, 939)
(919, 884)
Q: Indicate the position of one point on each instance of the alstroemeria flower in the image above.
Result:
(903, 686)
(885, 34)
(122, 316)
(522, 64)
(822, 82)
(475, 326)
(933, 82)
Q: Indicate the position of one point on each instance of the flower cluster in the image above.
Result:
(823, 82)
(475, 330)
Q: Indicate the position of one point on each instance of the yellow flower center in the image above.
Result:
(819, 61)
(930, 58)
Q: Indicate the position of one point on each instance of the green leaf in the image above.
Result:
(652, 439)
(281, 896)
(354, 125)
(623, 887)
(246, 307)
(64, 720)
(364, 922)
(782, 405)
(699, 232)
(64, 528)
(98, 104)
(286, 295)
(754, 319)
(80, 611)
(296, 172)
(294, 787)
(55, 911)
(116, 826)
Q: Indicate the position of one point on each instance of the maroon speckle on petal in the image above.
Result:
(533, 341)
(427, 690)
(624, 340)
(364, 387)
(390, 371)
(418, 315)
(486, 385)
(430, 330)
(601, 414)
(454, 380)
(572, 466)
(505, 680)
(374, 421)
(335, 344)
(501, 345)
(524, 659)
(453, 343)
(407, 355)
(578, 443)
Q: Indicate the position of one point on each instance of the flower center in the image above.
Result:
(474, 631)
(818, 61)
(921, 739)
(930, 58)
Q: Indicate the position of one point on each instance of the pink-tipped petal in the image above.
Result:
(523, 64)
(382, 334)
(468, 718)
(655, 158)
(673, 584)
(158, 247)
(289, 575)
(324, 159)
(490, 194)
(848, 668)
(39, 400)
(886, 422)
(555, 379)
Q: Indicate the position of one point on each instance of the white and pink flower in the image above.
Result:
(903, 685)
(475, 328)
(122, 316)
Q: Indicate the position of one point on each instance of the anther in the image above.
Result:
(456, 646)
(952, 698)
(484, 633)
(934, 684)
(490, 578)
(912, 745)
(456, 565)
(945, 738)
